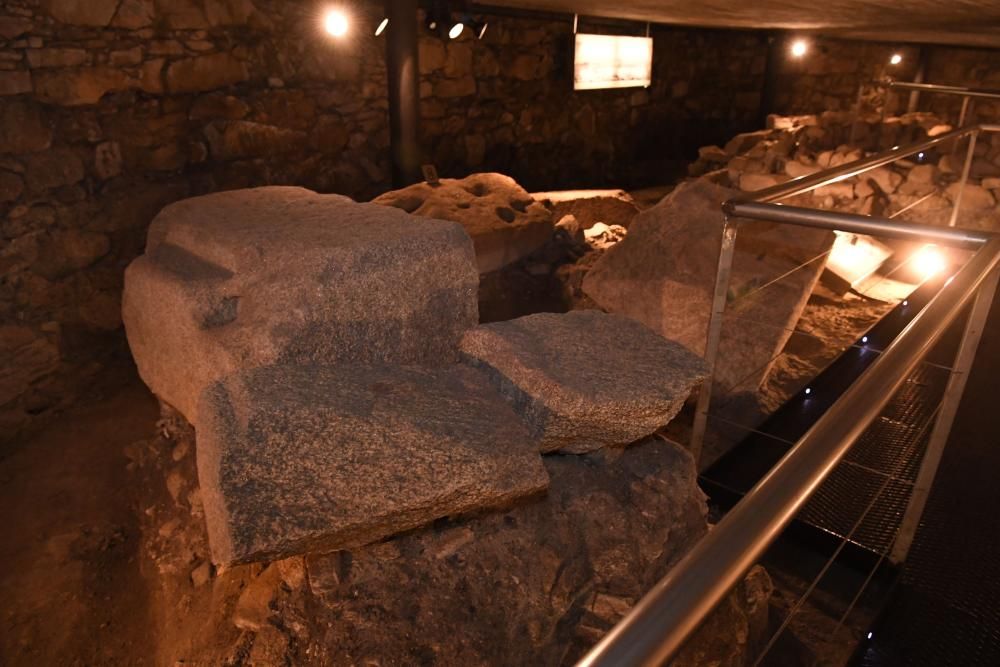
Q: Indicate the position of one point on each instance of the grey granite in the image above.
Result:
(663, 274)
(585, 379)
(247, 278)
(313, 458)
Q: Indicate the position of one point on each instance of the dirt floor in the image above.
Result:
(69, 566)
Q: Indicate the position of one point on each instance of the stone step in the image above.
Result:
(248, 278)
(314, 458)
(585, 379)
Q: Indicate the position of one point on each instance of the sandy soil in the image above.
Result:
(69, 575)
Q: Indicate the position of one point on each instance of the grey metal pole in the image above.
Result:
(923, 59)
(946, 418)
(963, 111)
(965, 178)
(722, 275)
(404, 90)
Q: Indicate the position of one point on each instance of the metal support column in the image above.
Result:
(776, 43)
(404, 90)
(923, 58)
(722, 276)
(965, 178)
(946, 417)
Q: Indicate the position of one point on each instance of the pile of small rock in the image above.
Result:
(924, 187)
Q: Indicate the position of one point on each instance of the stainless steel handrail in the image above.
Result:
(666, 616)
(657, 627)
(804, 184)
(965, 91)
(858, 224)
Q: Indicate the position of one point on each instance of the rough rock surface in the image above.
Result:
(505, 223)
(305, 458)
(248, 278)
(663, 274)
(537, 585)
(589, 207)
(585, 379)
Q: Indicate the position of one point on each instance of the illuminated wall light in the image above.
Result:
(381, 27)
(456, 30)
(896, 59)
(864, 339)
(800, 47)
(808, 391)
(335, 23)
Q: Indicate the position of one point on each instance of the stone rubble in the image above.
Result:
(502, 219)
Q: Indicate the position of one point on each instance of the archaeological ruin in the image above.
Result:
(431, 332)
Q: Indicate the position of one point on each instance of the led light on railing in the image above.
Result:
(864, 339)
(928, 262)
(808, 390)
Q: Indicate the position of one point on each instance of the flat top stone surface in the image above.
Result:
(586, 354)
(296, 458)
(240, 229)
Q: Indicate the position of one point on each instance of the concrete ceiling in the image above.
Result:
(961, 22)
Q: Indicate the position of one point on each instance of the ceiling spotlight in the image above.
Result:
(896, 59)
(478, 28)
(456, 30)
(799, 48)
(381, 27)
(335, 22)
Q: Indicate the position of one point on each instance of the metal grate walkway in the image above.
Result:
(944, 608)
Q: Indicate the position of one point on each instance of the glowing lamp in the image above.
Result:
(381, 27)
(800, 47)
(335, 23)
(456, 30)
(896, 59)
(928, 261)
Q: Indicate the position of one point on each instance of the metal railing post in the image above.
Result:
(714, 335)
(946, 418)
(961, 114)
(965, 177)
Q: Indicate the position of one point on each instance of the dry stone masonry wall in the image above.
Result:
(112, 109)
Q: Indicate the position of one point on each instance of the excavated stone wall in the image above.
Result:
(111, 109)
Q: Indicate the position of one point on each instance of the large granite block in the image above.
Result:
(663, 274)
(505, 223)
(585, 379)
(312, 458)
(248, 278)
